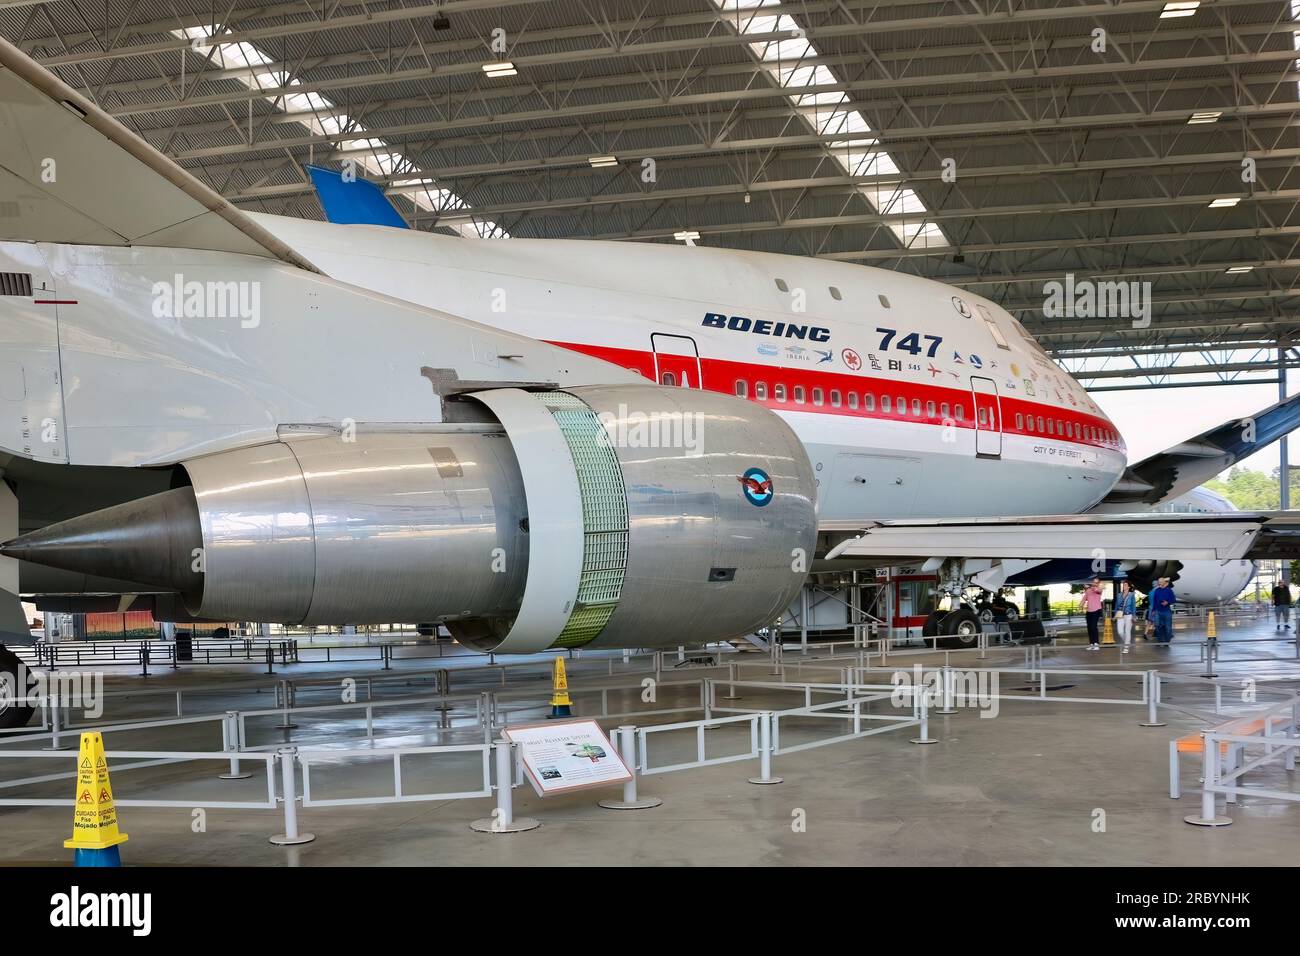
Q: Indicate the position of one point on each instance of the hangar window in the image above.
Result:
(799, 394)
(778, 392)
(886, 403)
(667, 378)
(884, 301)
(916, 407)
(742, 388)
(869, 402)
(835, 293)
(835, 398)
(780, 284)
(760, 391)
(818, 396)
(929, 409)
(1020, 421)
(961, 413)
(945, 411)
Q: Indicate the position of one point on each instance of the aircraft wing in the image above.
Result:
(1183, 537)
(1179, 469)
(73, 174)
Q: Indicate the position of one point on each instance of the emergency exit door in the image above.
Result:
(677, 360)
(988, 417)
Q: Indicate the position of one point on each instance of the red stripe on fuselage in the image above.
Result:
(720, 375)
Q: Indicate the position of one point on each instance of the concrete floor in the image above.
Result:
(1021, 789)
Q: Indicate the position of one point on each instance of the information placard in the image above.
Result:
(564, 755)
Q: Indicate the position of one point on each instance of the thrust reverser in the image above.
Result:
(606, 515)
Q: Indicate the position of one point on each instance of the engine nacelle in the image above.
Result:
(618, 516)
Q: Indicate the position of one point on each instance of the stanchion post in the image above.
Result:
(54, 707)
(625, 738)
(731, 682)
(1207, 816)
(230, 737)
(503, 817)
(765, 777)
(948, 680)
(290, 836)
(920, 695)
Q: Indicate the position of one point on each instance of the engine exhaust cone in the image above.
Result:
(155, 540)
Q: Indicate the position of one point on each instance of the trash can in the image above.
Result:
(184, 646)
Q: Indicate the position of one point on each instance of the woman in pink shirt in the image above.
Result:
(1091, 604)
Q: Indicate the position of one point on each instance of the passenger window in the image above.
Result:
(1040, 424)
(667, 378)
(818, 396)
(944, 410)
(1030, 423)
(983, 414)
(1020, 421)
(961, 413)
(886, 403)
(869, 401)
(778, 392)
(780, 284)
(798, 394)
(1059, 429)
(929, 409)
(835, 293)
(835, 398)
(902, 405)
(742, 388)
(884, 301)
(852, 399)
(760, 391)
(916, 407)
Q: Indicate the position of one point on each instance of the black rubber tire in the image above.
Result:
(985, 612)
(933, 625)
(1013, 613)
(13, 715)
(963, 629)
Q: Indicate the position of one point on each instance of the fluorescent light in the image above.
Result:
(1238, 270)
(1209, 116)
(1225, 203)
(687, 236)
(599, 162)
(504, 68)
(1180, 8)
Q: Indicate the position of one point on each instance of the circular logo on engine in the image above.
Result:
(757, 486)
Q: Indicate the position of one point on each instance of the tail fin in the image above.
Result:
(354, 201)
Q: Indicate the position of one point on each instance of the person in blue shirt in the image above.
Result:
(1125, 611)
(1163, 600)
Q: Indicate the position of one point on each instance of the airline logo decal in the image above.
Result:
(780, 330)
(852, 360)
(824, 357)
(757, 487)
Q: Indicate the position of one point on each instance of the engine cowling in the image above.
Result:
(620, 515)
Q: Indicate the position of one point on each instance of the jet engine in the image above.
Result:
(617, 516)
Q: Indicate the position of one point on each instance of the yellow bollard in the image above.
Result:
(561, 705)
(95, 836)
(1210, 629)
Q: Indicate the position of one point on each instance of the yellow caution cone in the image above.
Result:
(1108, 630)
(561, 705)
(1211, 630)
(95, 836)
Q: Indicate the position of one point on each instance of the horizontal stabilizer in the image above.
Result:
(1182, 467)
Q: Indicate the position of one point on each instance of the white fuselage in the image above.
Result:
(912, 401)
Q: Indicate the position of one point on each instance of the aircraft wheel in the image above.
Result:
(1013, 613)
(985, 613)
(963, 626)
(11, 714)
(933, 625)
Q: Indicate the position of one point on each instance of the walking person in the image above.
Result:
(1125, 612)
(1282, 605)
(1091, 604)
(1163, 600)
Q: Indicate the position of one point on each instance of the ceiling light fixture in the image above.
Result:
(1208, 116)
(1225, 203)
(1179, 8)
(600, 162)
(504, 68)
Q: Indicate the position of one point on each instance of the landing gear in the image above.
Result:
(988, 614)
(11, 714)
(963, 628)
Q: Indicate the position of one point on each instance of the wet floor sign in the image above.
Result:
(561, 704)
(95, 836)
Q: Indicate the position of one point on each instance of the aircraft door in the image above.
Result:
(988, 417)
(677, 360)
